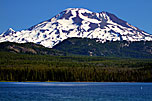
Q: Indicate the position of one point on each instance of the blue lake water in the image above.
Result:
(75, 91)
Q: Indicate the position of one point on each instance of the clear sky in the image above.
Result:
(22, 14)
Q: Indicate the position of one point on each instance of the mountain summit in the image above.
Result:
(77, 22)
(9, 31)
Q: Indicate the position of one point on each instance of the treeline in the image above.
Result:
(22, 67)
(64, 74)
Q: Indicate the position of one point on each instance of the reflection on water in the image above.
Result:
(75, 91)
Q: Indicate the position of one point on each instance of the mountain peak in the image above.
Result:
(78, 22)
(77, 9)
(8, 31)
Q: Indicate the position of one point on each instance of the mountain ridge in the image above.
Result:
(84, 47)
(122, 49)
(77, 22)
(29, 48)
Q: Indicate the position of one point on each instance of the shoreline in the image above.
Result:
(78, 81)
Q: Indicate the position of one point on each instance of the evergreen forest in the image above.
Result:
(32, 67)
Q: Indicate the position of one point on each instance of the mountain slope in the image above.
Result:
(28, 48)
(79, 46)
(77, 22)
(84, 47)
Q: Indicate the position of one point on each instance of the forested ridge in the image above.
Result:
(85, 47)
(29, 48)
(26, 67)
(93, 47)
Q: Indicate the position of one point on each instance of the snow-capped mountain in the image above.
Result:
(77, 22)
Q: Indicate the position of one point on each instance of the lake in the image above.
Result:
(75, 91)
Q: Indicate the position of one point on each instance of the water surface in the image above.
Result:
(75, 91)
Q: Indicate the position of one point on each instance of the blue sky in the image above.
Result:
(22, 14)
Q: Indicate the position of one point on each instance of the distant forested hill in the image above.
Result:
(84, 47)
(89, 47)
(28, 48)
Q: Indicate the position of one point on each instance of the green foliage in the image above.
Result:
(26, 67)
